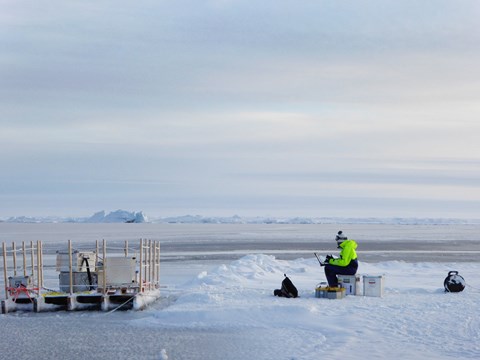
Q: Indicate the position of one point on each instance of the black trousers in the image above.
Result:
(331, 272)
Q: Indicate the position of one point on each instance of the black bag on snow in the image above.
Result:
(288, 290)
(454, 282)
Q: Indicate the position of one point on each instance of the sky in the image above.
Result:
(272, 108)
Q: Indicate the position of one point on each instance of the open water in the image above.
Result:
(181, 242)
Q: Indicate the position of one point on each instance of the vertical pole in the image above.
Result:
(158, 266)
(14, 251)
(70, 266)
(156, 263)
(145, 262)
(24, 259)
(140, 279)
(38, 264)
(4, 248)
(152, 264)
(104, 267)
(32, 258)
(41, 265)
(147, 257)
(144, 266)
(96, 259)
(126, 248)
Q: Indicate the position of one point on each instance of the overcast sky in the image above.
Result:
(280, 108)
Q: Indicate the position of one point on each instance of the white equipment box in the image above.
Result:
(373, 285)
(351, 283)
(120, 271)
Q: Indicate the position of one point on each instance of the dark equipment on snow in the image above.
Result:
(454, 282)
(288, 290)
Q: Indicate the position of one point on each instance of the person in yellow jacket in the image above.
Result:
(346, 264)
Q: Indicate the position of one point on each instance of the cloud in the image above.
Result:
(231, 103)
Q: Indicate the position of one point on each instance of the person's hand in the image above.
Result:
(327, 259)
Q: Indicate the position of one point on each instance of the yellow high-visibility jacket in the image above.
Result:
(347, 253)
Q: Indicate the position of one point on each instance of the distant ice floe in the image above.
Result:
(118, 216)
(123, 216)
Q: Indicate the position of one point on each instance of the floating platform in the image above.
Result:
(88, 280)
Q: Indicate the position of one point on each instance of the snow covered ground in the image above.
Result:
(224, 309)
(415, 319)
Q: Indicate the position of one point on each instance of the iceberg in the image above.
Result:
(118, 216)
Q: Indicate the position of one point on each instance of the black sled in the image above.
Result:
(288, 290)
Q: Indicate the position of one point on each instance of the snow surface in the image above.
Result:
(229, 312)
(224, 309)
(415, 319)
